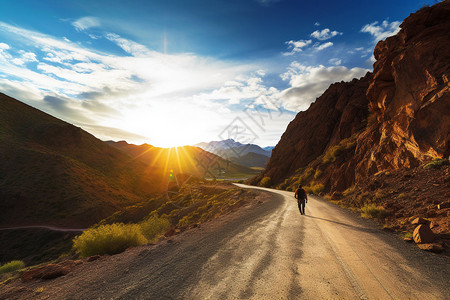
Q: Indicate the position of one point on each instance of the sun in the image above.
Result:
(166, 126)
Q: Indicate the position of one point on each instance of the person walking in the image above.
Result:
(302, 199)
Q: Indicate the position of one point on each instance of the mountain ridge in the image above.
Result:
(54, 173)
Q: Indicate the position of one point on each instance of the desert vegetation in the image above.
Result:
(436, 163)
(108, 239)
(371, 210)
(193, 203)
(12, 266)
(266, 182)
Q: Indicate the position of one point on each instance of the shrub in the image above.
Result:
(108, 239)
(154, 226)
(266, 182)
(436, 163)
(317, 188)
(379, 194)
(12, 266)
(407, 234)
(333, 152)
(317, 174)
(373, 211)
(349, 191)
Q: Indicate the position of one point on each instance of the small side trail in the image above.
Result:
(52, 228)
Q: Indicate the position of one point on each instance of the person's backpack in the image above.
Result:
(301, 195)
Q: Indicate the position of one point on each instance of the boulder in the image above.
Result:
(433, 224)
(433, 247)
(418, 221)
(170, 232)
(50, 271)
(93, 257)
(423, 234)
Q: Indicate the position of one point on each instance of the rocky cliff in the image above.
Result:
(397, 117)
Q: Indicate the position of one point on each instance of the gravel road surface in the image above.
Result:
(266, 250)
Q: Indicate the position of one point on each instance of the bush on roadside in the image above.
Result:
(154, 226)
(12, 266)
(108, 239)
(316, 189)
(372, 211)
(436, 163)
(349, 191)
(266, 182)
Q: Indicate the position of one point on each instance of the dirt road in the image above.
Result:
(265, 251)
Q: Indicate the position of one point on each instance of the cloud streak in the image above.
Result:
(296, 46)
(325, 34)
(85, 23)
(381, 31)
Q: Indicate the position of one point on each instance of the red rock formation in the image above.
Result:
(409, 95)
(406, 103)
(338, 114)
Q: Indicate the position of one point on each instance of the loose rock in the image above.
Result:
(436, 248)
(423, 234)
(418, 221)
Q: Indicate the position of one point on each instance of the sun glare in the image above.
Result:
(167, 125)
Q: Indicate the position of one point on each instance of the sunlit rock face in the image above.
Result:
(409, 95)
(399, 116)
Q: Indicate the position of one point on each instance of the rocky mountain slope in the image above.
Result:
(251, 159)
(54, 173)
(394, 118)
(230, 148)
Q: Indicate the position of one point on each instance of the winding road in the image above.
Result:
(266, 251)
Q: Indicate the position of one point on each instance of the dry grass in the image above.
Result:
(12, 266)
(108, 239)
(372, 211)
(154, 226)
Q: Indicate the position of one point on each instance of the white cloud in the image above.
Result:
(335, 61)
(86, 23)
(317, 24)
(296, 46)
(128, 46)
(383, 30)
(308, 83)
(323, 46)
(325, 34)
(4, 46)
(130, 92)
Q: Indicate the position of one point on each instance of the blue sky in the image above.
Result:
(180, 72)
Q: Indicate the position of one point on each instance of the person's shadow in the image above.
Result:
(365, 229)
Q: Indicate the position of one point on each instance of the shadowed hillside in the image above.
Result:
(52, 172)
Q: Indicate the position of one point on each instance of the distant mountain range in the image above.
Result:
(187, 160)
(249, 155)
(54, 173)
